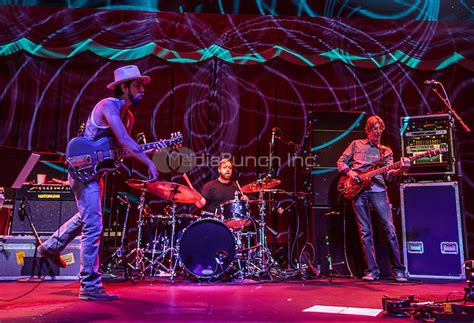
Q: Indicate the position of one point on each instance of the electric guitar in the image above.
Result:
(86, 158)
(350, 188)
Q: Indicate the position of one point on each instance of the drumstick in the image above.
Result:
(186, 178)
(240, 189)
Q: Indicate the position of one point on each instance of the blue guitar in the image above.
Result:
(86, 158)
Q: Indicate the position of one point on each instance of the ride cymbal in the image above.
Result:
(261, 185)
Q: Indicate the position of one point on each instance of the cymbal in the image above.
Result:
(261, 185)
(168, 190)
(187, 216)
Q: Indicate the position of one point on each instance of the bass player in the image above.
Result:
(364, 154)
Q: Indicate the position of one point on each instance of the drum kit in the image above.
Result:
(231, 243)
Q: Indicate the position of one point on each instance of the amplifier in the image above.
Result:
(48, 205)
(331, 133)
(432, 230)
(421, 133)
(17, 259)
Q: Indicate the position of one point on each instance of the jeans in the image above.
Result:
(87, 220)
(381, 205)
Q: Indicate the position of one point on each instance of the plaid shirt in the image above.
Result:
(363, 155)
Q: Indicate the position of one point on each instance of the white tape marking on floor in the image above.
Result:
(343, 310)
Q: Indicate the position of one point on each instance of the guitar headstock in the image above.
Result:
(176, 139)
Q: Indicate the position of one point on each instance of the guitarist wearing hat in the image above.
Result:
(362, 155)
(110, 119)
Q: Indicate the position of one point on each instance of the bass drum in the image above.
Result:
(207, 248)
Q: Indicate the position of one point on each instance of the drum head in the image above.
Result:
(236, 214)
(207, 248)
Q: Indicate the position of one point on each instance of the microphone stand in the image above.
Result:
(293, 203)
(448, 105)
(457, 160)
(24, 207)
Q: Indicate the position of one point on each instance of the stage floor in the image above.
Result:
(248, 300)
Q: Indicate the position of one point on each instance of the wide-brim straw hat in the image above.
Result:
(127, 73)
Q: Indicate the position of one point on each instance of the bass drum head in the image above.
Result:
(207, 248)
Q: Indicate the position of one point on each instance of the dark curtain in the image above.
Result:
(225, 81)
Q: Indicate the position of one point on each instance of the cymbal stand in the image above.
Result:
(139, 261)
(119, 256)
(264, 261)
(157, 238)
(171, 250)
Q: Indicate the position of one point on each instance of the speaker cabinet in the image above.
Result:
(331, 133)
(432, 230)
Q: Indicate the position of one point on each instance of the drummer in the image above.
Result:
(220, 190)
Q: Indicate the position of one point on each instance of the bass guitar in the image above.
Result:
(86, 158)
(350, 188)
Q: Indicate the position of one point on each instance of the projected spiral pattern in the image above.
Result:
(225, 80)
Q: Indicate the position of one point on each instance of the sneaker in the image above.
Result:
(55, 258)
(371, 276)
(399, 276)
(98, 294)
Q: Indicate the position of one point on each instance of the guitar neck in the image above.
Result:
(123, 153)
(382, 170)
(396, 165)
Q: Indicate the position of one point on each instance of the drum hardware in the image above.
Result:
(119, 256)
(139, 261)
(208, 247)
(264, 255)
(260, 260)
(245, 255)
(176, 193)
(171, 250)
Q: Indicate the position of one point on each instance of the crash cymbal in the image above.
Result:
(136, 183)
(168, 190)
(261, 185)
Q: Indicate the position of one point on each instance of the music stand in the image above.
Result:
(19, 164)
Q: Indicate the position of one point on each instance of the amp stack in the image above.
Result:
(432, 223)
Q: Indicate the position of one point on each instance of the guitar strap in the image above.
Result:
(382, 153)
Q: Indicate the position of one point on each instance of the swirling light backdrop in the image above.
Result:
(227, 80)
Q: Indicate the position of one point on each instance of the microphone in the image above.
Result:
(431, 82)
(273, 136)
(22, 210)
(271, 171)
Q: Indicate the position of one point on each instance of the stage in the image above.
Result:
(248, 300)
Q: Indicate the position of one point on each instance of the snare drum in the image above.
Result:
(236, 215)
(207, 248)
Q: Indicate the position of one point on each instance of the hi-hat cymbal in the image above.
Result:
(261, 185)
(168, 190)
